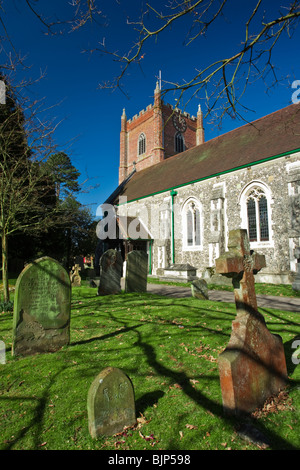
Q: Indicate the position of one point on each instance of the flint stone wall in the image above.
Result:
(221, 197)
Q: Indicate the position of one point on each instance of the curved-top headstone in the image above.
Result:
(111, 267)
(110, 403)
(42, 307)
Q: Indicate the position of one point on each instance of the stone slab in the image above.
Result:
(136, 271)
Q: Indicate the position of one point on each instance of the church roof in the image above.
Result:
(266, 138)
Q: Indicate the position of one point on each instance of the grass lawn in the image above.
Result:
(169, 349)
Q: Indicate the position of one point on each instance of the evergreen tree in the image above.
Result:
(64, 174)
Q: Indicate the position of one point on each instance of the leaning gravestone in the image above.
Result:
(252, 368)
(42, 306)
(136, 271)
(110, 403)
(111, 267)
(199, 289)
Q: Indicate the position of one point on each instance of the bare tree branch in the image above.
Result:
(219, 81)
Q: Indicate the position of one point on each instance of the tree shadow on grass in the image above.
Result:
(38, 417)
(210, 405)
(147, 400)
(108, 335)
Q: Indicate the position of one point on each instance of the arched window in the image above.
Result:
(142, 144)
(255, 207)
(179, 143)
(191, 225)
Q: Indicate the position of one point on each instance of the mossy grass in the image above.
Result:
(168, 348)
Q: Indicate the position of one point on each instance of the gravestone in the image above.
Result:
(252, 368)
(296, 283)
(111, 267)
(75, 276)
(136, 271)
(42, 306)
(199, 289)
(2, 352)
(110, 403)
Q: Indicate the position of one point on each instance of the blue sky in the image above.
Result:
(90, 117)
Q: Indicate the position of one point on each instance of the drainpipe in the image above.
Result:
(173, 194)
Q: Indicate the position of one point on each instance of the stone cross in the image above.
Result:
(75, 276)
(240, 264)
(253, 366)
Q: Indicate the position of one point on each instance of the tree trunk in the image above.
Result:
(5, 268)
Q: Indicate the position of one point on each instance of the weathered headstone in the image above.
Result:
(75, 276)
(252, 367)
(199, 289)
(296, 283)
(136, 271)
(42, 306)
(2, 352)
(111, 267)
(110, 404)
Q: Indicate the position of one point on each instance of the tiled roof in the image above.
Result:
(265, 138)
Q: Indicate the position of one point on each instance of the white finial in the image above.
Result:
(199, 109)
(124, 114)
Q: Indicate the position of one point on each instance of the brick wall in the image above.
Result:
(156, 123)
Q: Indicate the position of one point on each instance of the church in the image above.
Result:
(179, 195)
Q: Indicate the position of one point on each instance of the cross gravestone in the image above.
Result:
(252, 368)
(75, 276)
(110, 404)
(111, 267)
(136, 271)
(42, 307)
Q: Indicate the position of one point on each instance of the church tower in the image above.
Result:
(156, 133)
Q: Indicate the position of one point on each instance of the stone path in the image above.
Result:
(289, 304)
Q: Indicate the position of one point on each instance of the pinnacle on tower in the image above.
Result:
(200, 129)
